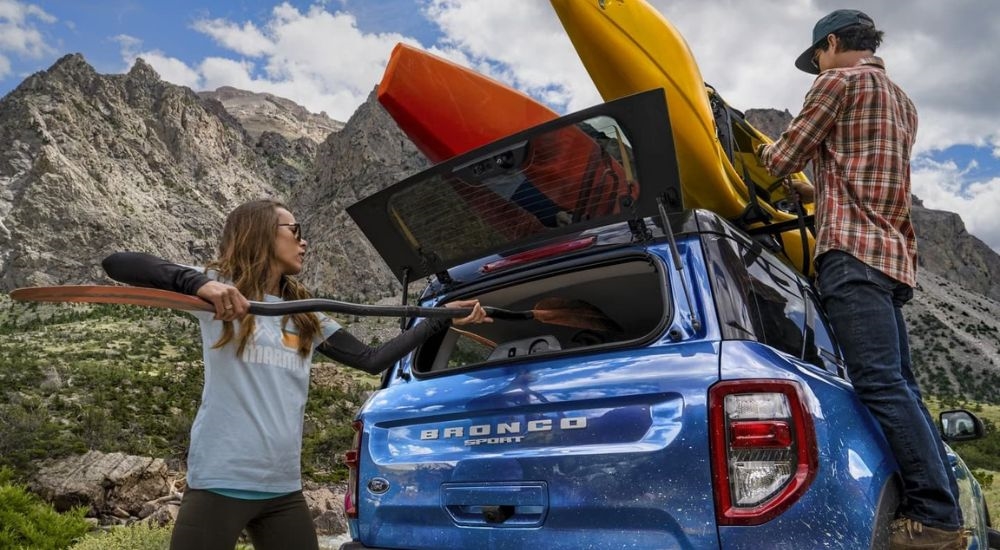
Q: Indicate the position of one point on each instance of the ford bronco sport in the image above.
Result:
(687, 393)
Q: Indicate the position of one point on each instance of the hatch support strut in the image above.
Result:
(695, 322)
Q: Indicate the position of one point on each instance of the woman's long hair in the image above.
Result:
(246, 255)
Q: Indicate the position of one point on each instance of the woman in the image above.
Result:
(244, 458)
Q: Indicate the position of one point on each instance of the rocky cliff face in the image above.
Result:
(369, 154)
(93, 163)
(947, 249)
(260, 113)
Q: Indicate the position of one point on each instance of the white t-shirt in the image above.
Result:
(248, 431)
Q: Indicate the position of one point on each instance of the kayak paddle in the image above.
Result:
(554, 311)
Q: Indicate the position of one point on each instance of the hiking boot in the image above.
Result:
(907, 534)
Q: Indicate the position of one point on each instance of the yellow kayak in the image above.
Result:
(629, 47)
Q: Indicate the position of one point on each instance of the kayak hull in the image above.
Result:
(627, 46)
(447, 109)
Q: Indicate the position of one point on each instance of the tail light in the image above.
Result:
(764, 452)
(351, 460)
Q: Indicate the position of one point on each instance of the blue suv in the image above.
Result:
(660, 378)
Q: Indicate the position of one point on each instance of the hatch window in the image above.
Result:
(554, 179)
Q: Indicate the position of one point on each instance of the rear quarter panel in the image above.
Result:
(839, 508)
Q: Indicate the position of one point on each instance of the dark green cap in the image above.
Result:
(837, 20)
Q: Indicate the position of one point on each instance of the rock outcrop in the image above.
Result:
(261, 113)
(120, 489)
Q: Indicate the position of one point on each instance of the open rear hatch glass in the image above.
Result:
(604, 165)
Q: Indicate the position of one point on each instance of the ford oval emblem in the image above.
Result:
(378, 485)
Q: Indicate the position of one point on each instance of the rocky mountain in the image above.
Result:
(114, 162)
(95, 163)
(260, 113)
(369, 154)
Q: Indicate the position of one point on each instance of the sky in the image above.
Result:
(328, 55)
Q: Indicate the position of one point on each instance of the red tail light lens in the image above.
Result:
(351, 460)
(764, 452)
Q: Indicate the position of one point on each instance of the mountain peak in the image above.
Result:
(143, 71)
(261, 112)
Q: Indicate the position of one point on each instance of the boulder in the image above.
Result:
(102, 482)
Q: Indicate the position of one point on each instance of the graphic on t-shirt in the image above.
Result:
(290, 340)
(274, 347)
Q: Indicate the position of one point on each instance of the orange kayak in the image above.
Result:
(447, 109)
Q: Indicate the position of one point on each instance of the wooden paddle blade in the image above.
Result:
(475, 337)
(96, 294)
(574, 313)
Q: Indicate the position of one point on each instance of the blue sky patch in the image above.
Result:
(976, 163)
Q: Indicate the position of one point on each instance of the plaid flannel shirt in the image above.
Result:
(857, 127)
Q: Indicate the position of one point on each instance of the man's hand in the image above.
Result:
(229, 303)
(800, 189)
(758, 154)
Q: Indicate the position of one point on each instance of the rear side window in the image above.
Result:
(782, 309)
(758, 299)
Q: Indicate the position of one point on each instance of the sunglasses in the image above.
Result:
(296, 229)
(815, 59)
(820, 49)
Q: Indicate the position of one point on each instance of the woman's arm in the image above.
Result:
(344, 348)
(138, 269)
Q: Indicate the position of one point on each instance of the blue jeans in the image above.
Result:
(865, 309)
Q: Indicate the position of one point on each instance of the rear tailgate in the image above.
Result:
(601, 451)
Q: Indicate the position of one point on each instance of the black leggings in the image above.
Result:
(210, 521)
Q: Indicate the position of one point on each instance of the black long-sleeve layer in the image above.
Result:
(138, 269)
(343, 347)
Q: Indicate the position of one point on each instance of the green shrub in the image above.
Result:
(133, 537)
(28, 522)
(984, 478)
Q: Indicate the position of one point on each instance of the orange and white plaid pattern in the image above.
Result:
(857, 127)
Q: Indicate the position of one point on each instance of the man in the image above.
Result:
(858, 127)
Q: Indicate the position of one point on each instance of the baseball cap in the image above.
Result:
(835, 21)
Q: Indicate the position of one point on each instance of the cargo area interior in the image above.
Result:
(629, 296)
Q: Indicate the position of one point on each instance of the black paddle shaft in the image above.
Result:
(334, 306)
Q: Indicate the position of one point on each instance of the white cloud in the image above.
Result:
(19, 35)
(946, 186)
(245, 39)
(317, 58)
(171, 69)
(521, 43)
